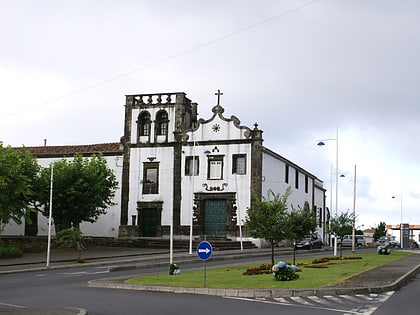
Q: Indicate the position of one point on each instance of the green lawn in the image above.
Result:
(232, 276)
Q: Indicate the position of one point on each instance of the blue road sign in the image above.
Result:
(204, 250)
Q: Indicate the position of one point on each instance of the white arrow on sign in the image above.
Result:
(204, 250)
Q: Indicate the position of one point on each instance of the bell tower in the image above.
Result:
(154, 121)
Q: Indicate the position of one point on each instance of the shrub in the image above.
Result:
(285, 272)
(73, 238)
(174, 269)
(383, 250)
(9, 250)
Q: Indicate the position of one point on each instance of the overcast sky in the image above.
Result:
(297, 68)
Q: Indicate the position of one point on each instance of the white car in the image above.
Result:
(348, 241)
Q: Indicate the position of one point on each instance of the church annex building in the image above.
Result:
(178, 170)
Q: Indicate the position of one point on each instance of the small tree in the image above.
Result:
(18, 170)
(83, 188)
(380, 230)
(342, 225)
(300, 223)
(269, 219)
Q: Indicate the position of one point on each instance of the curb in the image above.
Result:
(118, 283)
(42, 311)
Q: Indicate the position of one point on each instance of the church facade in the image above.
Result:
(186, 175)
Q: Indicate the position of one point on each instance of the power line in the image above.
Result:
(176, 55)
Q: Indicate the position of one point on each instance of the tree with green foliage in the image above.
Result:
(18, 171)
(342, 225)
(268, 220)
(300, 223)
(83, 188)
(380, 230)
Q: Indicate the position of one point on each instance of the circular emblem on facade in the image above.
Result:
(216, 127)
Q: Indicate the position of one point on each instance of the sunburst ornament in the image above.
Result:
(216, 127)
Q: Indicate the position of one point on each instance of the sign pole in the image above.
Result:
(204, 251)
(205, 272)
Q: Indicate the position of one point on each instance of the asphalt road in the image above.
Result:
(67, 288)
(404, 301)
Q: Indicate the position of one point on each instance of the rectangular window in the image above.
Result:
(286, 174)
(306, 184)
(191, 165)
(239, 164)
(151, 178)
(296, 179)
(215, 167)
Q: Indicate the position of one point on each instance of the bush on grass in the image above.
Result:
(174, 269)
(285, 272)
(383, 250)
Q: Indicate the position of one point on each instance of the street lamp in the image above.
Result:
(354, 212)
(401, 219)
(50, 215)
(322, 143)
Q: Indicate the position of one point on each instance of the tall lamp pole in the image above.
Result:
(50, 216)
(321, 143)
(401, 218)
(354, 212)
(192, 205)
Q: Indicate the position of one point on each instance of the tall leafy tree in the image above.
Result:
(342, 225)
(380, 230)
(300, 223)
(83, 188)
(18, 170)
(268, 220)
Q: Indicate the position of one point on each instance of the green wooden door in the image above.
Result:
(149, 226)
(215, 215)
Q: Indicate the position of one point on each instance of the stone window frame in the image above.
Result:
(149, 187)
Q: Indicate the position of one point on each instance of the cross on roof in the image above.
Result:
(218, 96)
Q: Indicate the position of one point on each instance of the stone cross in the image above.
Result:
(218, 96)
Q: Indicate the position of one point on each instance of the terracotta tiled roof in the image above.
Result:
(70, 150)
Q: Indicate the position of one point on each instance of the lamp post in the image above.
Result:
(354, 212)
(192, 205)
(321, 143)
(401, 218)
(50, 216)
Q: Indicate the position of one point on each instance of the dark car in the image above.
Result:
(309, 242)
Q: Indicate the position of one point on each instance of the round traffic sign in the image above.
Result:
(204, 250)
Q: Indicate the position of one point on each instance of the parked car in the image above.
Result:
(309, 242)
(388, 241)
(348, 241)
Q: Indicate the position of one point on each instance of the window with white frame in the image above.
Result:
(215, 167)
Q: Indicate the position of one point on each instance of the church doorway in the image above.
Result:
(149, 222)
(150, 216)
(215, 217)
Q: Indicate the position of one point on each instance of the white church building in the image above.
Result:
(177, 171)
